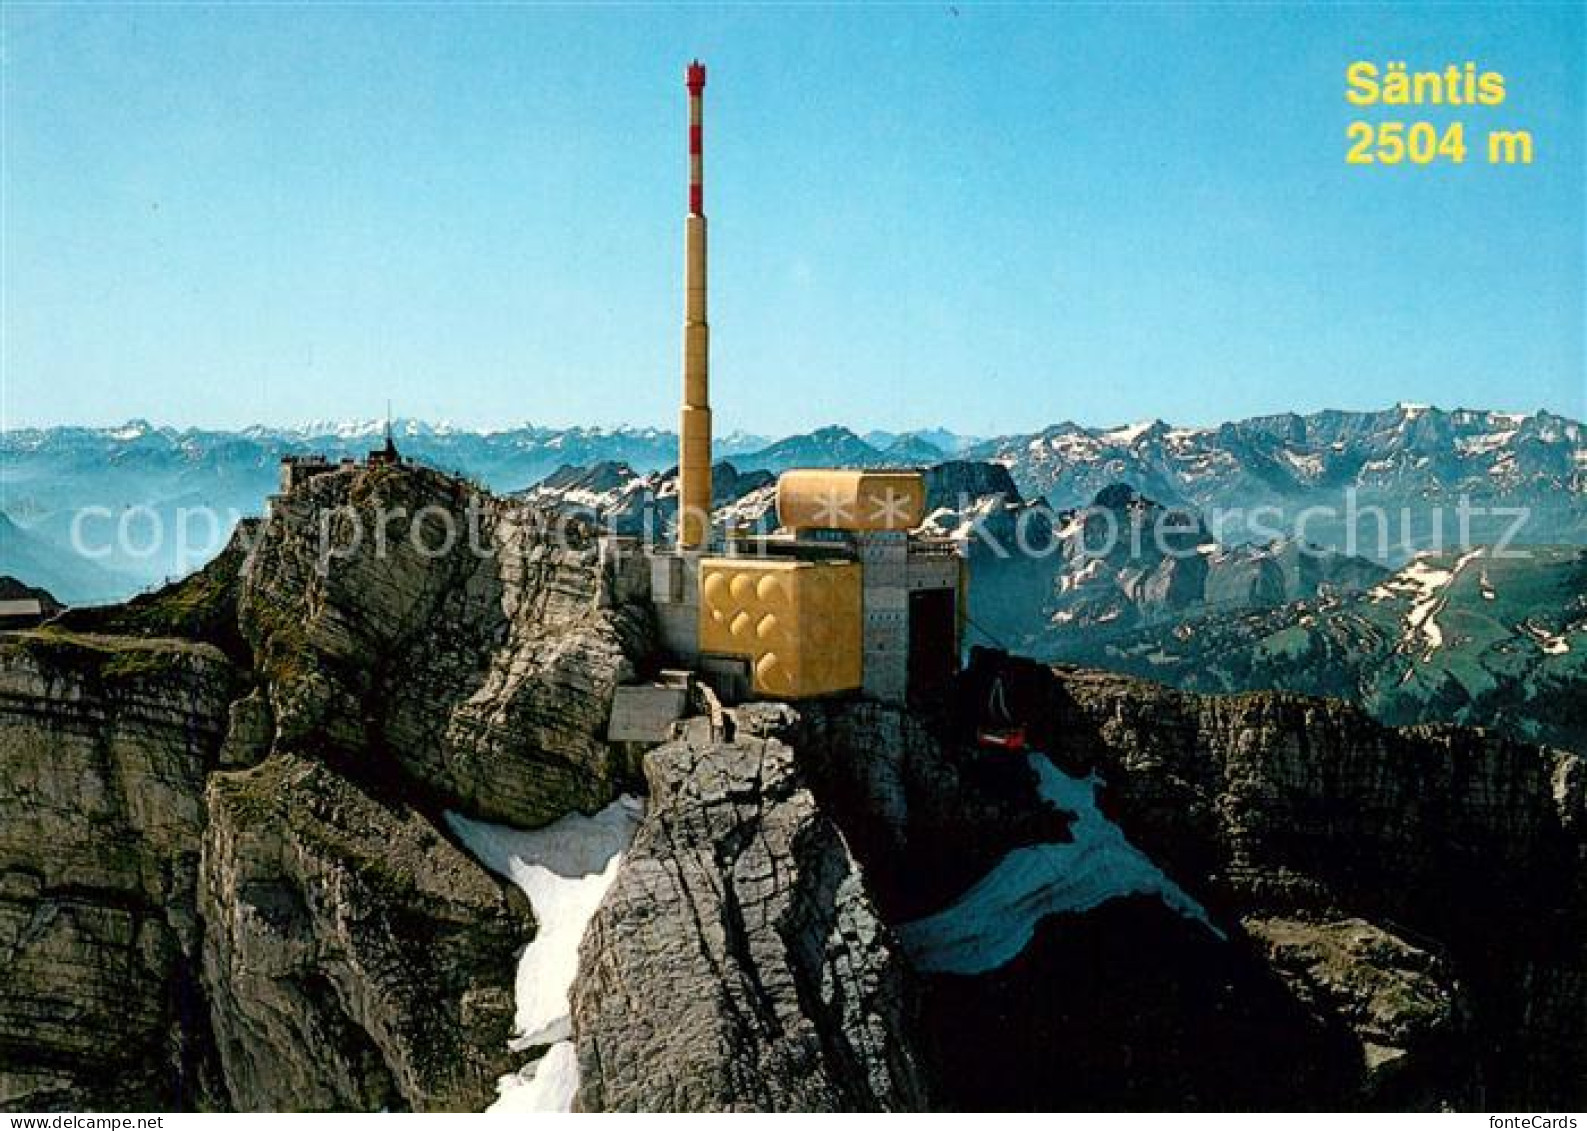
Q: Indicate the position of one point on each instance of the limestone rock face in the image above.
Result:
(1425, 887)
(1396, 996)
(1456, 983)
(1281, 794)
(298, 729)
(738, 963)
(104, 745)
(353, 958)
(421, 629)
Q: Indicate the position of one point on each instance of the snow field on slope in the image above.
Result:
(565, 869)
(993, 922)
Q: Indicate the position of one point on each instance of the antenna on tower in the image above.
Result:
(386, 454)
(694, 427)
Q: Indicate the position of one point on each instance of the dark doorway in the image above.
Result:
(933, 654)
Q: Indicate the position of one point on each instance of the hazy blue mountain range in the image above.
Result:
(70, 578)
(1412, 458)
(1406, 457)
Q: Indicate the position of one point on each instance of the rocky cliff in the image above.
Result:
(739, 963)
(223, 877)
(106, 743)
(1417, 897)
(1291, 972)
(463, 644)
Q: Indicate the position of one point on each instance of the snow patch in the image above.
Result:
(994, 921)
(1082, 576)
(1550, 643)
(1129, 433)
(1423, 584)
(565, 869)
(1306, 465)
(547, 1084)
(1485, 443)
(960, 526)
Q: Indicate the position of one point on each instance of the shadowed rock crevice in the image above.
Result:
(1443, 866)
(1454, 983)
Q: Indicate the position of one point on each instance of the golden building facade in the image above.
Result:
(798, 624)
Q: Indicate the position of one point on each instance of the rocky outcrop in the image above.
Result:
(1315, 984)
(105, 745)
(1449, 863)
(739, 963)
(413, 628)
(299, 721)
(422, 646)
(353, 957)
(1399, 999)
(1130, 1004)
(1281, 798)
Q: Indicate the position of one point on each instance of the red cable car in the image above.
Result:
(1002, 733)
(1012, 740)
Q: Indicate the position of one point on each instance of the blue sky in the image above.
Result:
(987, 218)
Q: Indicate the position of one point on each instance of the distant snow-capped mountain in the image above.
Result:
(618, 498)
(1415, 459)
(1408, 448)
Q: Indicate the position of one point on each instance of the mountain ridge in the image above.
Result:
(1414, 463)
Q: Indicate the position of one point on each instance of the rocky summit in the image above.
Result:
(230, 877)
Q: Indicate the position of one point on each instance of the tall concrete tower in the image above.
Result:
(694, 431)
